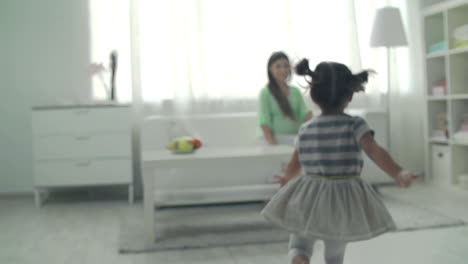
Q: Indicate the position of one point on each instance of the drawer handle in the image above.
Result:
(82, 138)
(440, 155)
(83, 164)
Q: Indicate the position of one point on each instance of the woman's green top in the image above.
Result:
(271, 115)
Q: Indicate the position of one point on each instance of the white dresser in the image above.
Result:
(86, 145)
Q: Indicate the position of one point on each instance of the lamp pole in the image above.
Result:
(388, 32)
(389, 82)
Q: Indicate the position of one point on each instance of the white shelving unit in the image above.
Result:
(446, 154)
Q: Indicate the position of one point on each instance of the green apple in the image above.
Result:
(185, 144)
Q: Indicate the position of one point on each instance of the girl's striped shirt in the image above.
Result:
(328, 145)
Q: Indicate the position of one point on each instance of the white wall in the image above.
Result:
(44, 51)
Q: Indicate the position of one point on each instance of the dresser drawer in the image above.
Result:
(82, 146)
(81, 173)
(71, 121)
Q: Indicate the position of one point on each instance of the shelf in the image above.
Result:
(437, 98)
(459, 143)
(442, 6)
(459, 96)
(447, 97)
(430, 11)
(458, 51)
(438, 140)
(444, 53)
(437, 54)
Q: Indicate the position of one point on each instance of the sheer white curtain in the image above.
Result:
(205, 56)
(407, 93)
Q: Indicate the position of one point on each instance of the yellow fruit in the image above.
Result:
(185, 145)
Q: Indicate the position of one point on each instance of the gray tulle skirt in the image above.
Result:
(318, 208)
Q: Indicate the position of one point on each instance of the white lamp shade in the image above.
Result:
(387, 30)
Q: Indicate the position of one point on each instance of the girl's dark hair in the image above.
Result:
(332, 83)
(274, 88)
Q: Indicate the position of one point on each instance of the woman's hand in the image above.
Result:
(268, 135)
(405, 178)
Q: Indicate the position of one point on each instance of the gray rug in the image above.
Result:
(241, 224)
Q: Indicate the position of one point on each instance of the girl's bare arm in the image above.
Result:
(293, 169)
(383, 159)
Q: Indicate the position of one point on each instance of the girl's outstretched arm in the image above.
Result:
(383, 159)
(293, 169)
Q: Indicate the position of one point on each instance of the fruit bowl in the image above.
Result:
(184, 145)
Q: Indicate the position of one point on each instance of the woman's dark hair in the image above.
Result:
(332, 83)
(274, 88)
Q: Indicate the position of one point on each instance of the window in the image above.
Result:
(110, 31)
(217, 51)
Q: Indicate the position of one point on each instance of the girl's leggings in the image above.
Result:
(334, 250)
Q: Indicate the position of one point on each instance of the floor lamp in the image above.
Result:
(388, 32)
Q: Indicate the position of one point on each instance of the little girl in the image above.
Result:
(330, 201)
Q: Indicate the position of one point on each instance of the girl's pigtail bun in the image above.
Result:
(362, 76)
(360, 79)
(302, 69)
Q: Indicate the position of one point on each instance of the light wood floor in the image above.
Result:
(86, 231)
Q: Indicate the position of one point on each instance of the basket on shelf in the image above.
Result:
(439, 46)
(460, 36)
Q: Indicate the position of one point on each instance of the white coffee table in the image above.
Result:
(159, 159)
